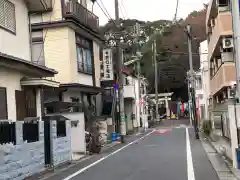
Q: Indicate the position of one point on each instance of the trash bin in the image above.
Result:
(238, 157)
(113, 137)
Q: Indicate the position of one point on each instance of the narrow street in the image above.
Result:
(167, 153)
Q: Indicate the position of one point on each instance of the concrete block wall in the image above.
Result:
(23, 159)
(61, 146)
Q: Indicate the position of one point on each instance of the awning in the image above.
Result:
(27, 67)
(82, 88)
(39, 82)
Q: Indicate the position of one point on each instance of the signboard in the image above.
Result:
(107, 65)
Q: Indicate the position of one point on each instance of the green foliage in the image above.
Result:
(207, 127)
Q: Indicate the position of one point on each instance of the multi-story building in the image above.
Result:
(21, 80)
(220, 51)
(65, 37)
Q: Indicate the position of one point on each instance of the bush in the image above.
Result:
(207, 127)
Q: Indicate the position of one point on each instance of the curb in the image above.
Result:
(225, 159)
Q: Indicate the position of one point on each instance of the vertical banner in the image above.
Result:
(107, 65)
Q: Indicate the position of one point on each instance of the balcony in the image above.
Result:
(129, 92)
(223, 27)
(39, 5)
(223, 77)
(78, 12)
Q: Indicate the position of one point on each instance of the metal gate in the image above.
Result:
(47, 143)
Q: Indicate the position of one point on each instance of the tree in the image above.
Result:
(170, 40)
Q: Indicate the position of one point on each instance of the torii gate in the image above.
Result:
(163, 97)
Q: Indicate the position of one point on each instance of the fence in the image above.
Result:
(30, 132)
(7, 132)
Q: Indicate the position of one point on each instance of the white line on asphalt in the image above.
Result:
(103, 158)
(190, 168)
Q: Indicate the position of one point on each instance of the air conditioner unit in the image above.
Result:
(227, 43)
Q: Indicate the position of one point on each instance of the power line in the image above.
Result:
(46, 33)
(123, 15)
(105, 11)
(124, 8)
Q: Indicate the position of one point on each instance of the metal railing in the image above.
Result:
(83, 15)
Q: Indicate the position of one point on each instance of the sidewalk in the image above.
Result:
(219, 156)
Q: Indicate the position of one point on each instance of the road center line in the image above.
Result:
(103, 158)
(190, 169)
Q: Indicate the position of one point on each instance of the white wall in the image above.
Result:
(17, 44)
(204, 67)
(10, 79)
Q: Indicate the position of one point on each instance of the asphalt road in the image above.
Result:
(162, 155)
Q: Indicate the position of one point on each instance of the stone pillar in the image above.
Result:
(19, 132)
(167, 108)
(41, 130)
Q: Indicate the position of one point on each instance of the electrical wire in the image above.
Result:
(121, 10)
(50, 20)
(124, 9)
(105, 12)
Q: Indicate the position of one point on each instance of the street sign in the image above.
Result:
(122, 118)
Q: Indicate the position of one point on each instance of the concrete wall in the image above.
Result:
(24, 159)
(61, 147)
(8, 40)
(11, 80)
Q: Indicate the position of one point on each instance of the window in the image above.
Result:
(38, 53)
(7, 16)
(84, 56)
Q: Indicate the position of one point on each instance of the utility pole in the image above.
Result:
(120, 74)
(192, 81)
(156, 79)
(236, 39)
(138, 66)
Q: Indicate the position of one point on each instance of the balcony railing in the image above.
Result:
(81, 14)
(223, 77)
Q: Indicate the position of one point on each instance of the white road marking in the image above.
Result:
(103, 158)
(190, 168)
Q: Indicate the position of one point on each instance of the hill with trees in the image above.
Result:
(172, 49)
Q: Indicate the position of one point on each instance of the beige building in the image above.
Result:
(21, 80)
(220, 51)
(66, 38)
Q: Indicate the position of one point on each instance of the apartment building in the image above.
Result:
(220, 51)
(21, 80)
(66, 38)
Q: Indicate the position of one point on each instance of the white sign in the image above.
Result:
(107, 65)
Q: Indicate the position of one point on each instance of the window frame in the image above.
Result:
(14, 19)
(84, 65)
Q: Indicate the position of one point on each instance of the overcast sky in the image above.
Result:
(148, 10)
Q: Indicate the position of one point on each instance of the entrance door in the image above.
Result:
(20, 105)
